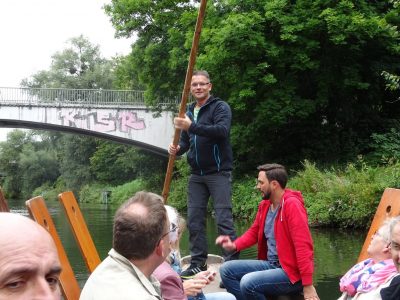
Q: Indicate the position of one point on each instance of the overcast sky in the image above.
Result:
(31, 31)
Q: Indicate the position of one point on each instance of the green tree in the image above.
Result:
(37, 167)
(303, 77)
(10, 151)
(116, 164)
(75, 153)
(158, 57)
(79, 66)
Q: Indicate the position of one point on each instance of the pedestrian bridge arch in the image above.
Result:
(121, 116)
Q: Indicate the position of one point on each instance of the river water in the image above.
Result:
(335, 250)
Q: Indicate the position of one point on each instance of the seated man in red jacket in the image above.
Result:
(285, 262)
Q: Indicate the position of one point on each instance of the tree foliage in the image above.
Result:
(26, 163)
(303, 77)
(37, 167)
(9, 161)
(125, 163)
(79, 66)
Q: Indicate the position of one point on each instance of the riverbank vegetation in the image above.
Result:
(312, 85)
(335, 196)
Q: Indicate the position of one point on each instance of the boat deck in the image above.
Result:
(213, 262)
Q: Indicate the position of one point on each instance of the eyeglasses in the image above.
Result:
(173, 229)
(200, 84)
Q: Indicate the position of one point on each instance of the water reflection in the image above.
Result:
(335, 250)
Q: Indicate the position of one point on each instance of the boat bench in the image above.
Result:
(80, 230)
(38, 210)
(388, 207)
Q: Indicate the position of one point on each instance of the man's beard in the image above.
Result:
(267, 195)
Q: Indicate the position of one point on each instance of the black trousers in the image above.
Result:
(218, 186)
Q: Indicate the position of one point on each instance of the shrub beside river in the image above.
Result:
(334, 197)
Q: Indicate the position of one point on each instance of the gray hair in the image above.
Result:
(385, 229)
(393, 223)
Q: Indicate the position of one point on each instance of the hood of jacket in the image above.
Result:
(289, 195)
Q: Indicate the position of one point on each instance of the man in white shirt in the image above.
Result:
(140, 245)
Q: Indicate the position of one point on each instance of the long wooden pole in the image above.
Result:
(185, 94)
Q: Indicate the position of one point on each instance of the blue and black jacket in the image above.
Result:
(207, 140)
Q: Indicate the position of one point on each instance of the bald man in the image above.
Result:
(29, 264)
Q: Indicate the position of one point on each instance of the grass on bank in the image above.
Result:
(334, 197)
(344, 198)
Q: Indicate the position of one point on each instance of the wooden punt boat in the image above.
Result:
(389, 206)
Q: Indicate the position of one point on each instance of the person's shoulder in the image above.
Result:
(164, 271)
(219, 106)
(293, 196)
(393, 289)
(263, 205)
(219, 101)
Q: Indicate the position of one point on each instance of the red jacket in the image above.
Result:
(293, 238)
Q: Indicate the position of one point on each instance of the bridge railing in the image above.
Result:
(89, 97)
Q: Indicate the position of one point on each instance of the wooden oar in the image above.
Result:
(185, 94)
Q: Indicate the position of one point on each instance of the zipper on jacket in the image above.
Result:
(216, 157)
(195, 136)
(197, 159)
(195, 141)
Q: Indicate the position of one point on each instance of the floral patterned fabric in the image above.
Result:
(366, 276)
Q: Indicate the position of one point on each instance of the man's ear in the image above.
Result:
(160, 248)
(275, 184)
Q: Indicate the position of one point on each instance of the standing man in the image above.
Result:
(205, 136)
(140, 245)
(29, 264)
(392, 292)
(285, 262)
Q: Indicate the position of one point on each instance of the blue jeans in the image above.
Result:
(256, 279)
(213, 296)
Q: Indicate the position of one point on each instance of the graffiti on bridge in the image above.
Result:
(102, 121)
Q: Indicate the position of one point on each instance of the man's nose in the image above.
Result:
(43, 291)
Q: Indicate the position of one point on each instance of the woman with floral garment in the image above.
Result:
(365, 280)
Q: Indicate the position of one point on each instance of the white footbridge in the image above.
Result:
(121, 116)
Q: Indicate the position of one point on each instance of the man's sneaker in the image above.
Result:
(193, 270)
